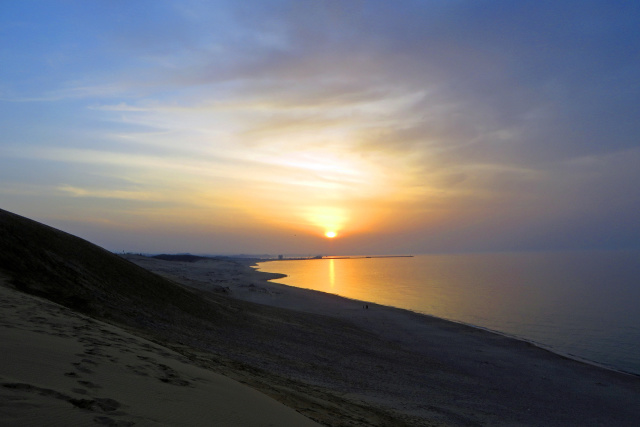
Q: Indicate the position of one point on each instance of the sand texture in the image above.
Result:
(58, 367)
(92, 338)
(426, 370)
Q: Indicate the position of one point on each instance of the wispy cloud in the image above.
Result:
(442, 116)
(107, 194)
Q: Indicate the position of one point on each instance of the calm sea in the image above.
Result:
(582, 304)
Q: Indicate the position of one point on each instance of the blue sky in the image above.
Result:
(414, 126)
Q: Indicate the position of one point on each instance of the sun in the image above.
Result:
(331, 234)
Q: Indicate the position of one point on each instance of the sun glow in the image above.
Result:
(327, 218)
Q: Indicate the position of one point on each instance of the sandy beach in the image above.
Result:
(425, 369)
(92, 338)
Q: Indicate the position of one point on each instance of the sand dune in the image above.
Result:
(219, 333)
(58, 367)
(90, 338)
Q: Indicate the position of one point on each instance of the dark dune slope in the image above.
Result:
(239, 339)
(75, 273)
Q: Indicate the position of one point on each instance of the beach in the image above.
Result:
(94, 338)
(423, 369)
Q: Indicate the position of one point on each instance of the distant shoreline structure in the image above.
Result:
(341, 257)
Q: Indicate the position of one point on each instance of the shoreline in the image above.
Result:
(541, 345)
(434, 362)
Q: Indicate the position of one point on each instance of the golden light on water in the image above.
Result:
(332, 274)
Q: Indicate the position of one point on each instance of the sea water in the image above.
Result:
(581, 304)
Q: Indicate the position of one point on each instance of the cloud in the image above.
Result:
(106, 194)
(504, 116)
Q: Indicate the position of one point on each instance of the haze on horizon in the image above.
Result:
(259, 126)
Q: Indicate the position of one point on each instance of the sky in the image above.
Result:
(227, 127)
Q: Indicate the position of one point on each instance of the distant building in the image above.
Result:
(280, 256)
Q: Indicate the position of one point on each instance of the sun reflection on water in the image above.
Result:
(332, 274)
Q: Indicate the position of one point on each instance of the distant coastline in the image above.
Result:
(335, 257)
(256, 259)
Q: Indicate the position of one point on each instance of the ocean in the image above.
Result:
(581, 304)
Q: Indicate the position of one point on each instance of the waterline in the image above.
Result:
(580, 304)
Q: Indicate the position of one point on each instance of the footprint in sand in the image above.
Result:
(171, 376)
(104, 405)
(95, 405)
(162, 372)
(89, 384)
(82, 367)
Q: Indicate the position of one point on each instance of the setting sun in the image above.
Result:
(331, 234)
